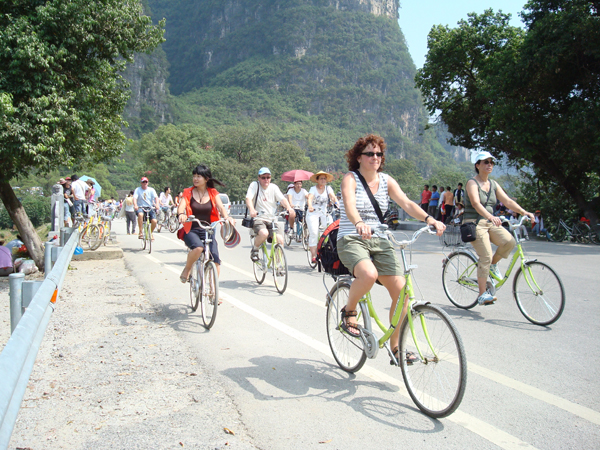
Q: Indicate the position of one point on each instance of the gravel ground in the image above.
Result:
(112, 374)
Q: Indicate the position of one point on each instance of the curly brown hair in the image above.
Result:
(354, 153)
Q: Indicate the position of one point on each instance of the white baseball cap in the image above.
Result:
(481, 154)
(264, 170)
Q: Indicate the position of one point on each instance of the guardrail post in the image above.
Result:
(48, 258)
(28, 291)
(15, 282)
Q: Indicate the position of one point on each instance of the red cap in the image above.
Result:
(144, 179)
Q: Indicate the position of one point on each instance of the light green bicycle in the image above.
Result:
(273, 259)
(432, 356)
(537, 288)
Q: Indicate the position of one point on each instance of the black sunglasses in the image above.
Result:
(371, 154)
(265, 178)
(144, 182)
(489, 161)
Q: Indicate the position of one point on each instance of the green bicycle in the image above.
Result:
(537, 288)
(432, 355)
(271, 259)
(146, 231)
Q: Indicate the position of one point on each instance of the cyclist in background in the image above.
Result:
(145, 197)
(166, 201)
(266, 195)
(297, 198)
(319, 197)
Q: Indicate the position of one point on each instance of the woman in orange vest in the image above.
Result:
(203, 202)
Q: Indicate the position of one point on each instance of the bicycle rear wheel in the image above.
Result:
(195, 286)
(260, 267)
(280, 269)
(304, 236)
(437, 381)
(459, 278)
(347, 350)
(210, 294)
(89, 237)
(101, 234)
(173, 224)
(539, 293)
(288, 238)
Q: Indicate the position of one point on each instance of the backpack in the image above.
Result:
(327, 256)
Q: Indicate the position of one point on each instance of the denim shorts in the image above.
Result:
(195, 239)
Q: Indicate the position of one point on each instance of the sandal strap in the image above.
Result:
(346, 313)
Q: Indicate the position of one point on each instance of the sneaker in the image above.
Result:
(485, 299)
(495, 271)
(254, 254)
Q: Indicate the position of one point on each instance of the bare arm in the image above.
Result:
(309, 202)
(510, 203)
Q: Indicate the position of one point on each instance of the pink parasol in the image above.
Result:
(296, 175)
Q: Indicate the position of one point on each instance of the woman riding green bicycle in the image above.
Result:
(482, 195)
(367, 257)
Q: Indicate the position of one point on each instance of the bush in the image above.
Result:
(36, 207)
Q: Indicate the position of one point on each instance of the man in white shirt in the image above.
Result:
(79, 189)
(297, 196)
(145, 197)
(261, 199)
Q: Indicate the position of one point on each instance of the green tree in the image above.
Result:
(63, 94)
(532, 95)
(170, 154)
(406, 174)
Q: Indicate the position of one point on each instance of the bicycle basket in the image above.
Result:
(451, 236)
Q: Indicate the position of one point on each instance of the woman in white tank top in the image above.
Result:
(367, 257)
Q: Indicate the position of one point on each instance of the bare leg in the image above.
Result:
(366, 275)
(394, 285)
(140, 219)
(192, 257)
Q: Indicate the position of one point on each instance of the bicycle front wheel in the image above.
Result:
(195, 286)
(539, 293)
(280, 269)
(348, 351)
(149, 237)
(288, 238)
(310, 261)
(260, 267)
(90, 237)
(556, 233)
(210, 294)
(434, 365)
(459, 277)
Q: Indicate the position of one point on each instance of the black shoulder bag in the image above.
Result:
(467, 230)
(248, 222)
(374, 202)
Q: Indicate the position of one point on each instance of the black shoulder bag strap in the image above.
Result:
(374, 202)
(255, 199)
(488, 196)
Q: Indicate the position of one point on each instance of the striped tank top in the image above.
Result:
(364, 206)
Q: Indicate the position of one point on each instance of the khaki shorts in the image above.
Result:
(354, 249)
(266, 225)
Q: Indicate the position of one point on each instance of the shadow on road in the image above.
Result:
(297, 378)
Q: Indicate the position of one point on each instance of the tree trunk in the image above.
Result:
(26, 230)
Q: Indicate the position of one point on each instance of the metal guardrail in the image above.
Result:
(19, 354)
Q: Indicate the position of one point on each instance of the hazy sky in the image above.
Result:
(418, 16)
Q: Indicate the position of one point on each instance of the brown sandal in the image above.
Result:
(346, 326)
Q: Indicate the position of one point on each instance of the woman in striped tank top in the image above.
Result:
(370, 258)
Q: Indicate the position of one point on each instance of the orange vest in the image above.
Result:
(212, 193)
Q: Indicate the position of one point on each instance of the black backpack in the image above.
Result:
(327, 256)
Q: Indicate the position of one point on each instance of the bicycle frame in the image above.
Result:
(270, 254)
(406, 292)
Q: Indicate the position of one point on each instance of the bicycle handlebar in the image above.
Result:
(430, 229)
(516, 225)
(205, 227)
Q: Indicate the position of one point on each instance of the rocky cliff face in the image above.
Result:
(148, 105)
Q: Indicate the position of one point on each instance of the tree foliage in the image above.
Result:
(532, 94)
(62, 90)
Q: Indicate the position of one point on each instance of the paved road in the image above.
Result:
(528, 386)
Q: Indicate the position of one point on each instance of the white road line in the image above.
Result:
(538, 394)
